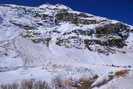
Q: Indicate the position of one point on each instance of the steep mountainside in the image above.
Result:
(53, 41)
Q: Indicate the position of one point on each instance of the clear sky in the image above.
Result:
(114, 9)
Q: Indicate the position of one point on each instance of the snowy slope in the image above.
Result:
(54, 40)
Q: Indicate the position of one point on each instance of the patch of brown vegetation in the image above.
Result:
(57, 83)
(84, 84)
(74, 84)
(121, 73)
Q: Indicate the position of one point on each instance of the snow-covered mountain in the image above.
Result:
(51, 41)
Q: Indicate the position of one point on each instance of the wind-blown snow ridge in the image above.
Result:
(55, 40)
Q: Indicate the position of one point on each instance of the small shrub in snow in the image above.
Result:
(72, 84)
(27, 84)
(121, 73)
(9, 86)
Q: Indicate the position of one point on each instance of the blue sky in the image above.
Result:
(114, 9)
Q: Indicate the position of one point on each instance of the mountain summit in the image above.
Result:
(54, 41)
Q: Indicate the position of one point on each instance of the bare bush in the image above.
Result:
(73, 84)
(41, 85)
(27, 84)
(56, 83)
(9, 86)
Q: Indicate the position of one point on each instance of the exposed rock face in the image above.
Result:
(87, 31)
